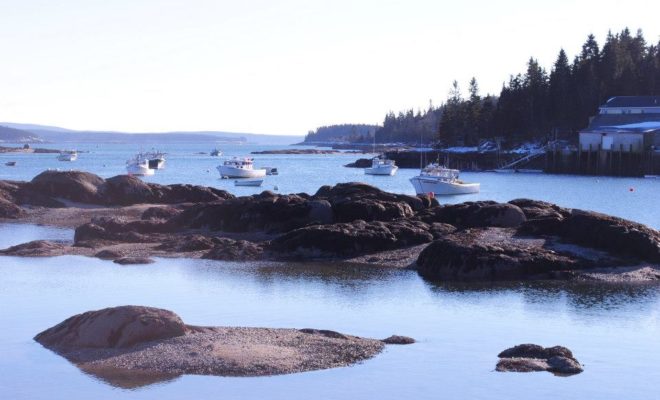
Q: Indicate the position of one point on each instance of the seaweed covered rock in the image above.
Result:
(354, 238)
(532, 357)
(475, 214)
(492, 254)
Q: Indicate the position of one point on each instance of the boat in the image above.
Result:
(439, 180)
(249, 182)
(216, 153)
(10, 163)
(271, 171)
(381, 166)
(155, 159)
(240, 168)
(139, 166)
(68, 155)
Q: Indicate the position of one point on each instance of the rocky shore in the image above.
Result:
(297, 151)
(124, 217)
(130, 346)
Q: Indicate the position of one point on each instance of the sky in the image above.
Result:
(278, 66)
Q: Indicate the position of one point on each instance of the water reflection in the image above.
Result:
(578, 297)
(128, 379)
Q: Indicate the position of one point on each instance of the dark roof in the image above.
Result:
(632, 101)
(601, 120)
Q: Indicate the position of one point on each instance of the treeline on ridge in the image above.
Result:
(533, 105)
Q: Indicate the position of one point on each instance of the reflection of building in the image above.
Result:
(624, 124)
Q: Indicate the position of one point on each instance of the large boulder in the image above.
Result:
(352, 201)
(116, 327)
(492, 254)
(10, 210)
(354, 238)
(267, 211)
(78, 186)
(616, 235)
(475, 214)
(126, 190)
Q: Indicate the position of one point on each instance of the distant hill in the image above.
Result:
(13, 135)
(58, 134)
(341, 133)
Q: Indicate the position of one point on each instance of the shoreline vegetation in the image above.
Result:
(127, 220)
(534, 106)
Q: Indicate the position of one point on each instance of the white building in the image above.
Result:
(625, 124)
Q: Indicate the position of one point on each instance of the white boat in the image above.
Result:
(155, 159)
(240, 168)
(216, 153)
(381, 166)
(249, 182)
(68, 155)
(271, 171)
(439, 180)
(139, 166)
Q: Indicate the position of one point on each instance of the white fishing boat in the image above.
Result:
(271, 171)
(240, 168)
(381, 166)
(139, 166)
(155, 159)
(249, 182)
(68, 155)
(439, 180)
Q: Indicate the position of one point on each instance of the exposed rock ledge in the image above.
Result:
(352, 222)
(131, 346)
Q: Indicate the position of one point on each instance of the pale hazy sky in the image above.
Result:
(280, 67)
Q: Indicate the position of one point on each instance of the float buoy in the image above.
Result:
(631, 189)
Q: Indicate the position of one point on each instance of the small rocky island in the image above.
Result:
(125, 218)
(532, 357)
(130, 346)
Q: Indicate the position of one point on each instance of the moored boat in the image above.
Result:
(68, 155)
(271, 171)
(139, 166)
(439, 180)
(10, 163)
(381, 166)
(240, 168)
(216, 153)
(155, 159)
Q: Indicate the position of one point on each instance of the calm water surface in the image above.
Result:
(613, 330)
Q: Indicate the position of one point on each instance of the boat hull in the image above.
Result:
(157, 163)
(424, 186)
(67, 157)
(231, 172)
(384, 170)
(139, 169)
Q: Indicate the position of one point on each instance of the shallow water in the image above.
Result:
(306, 173)
(460, 329)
